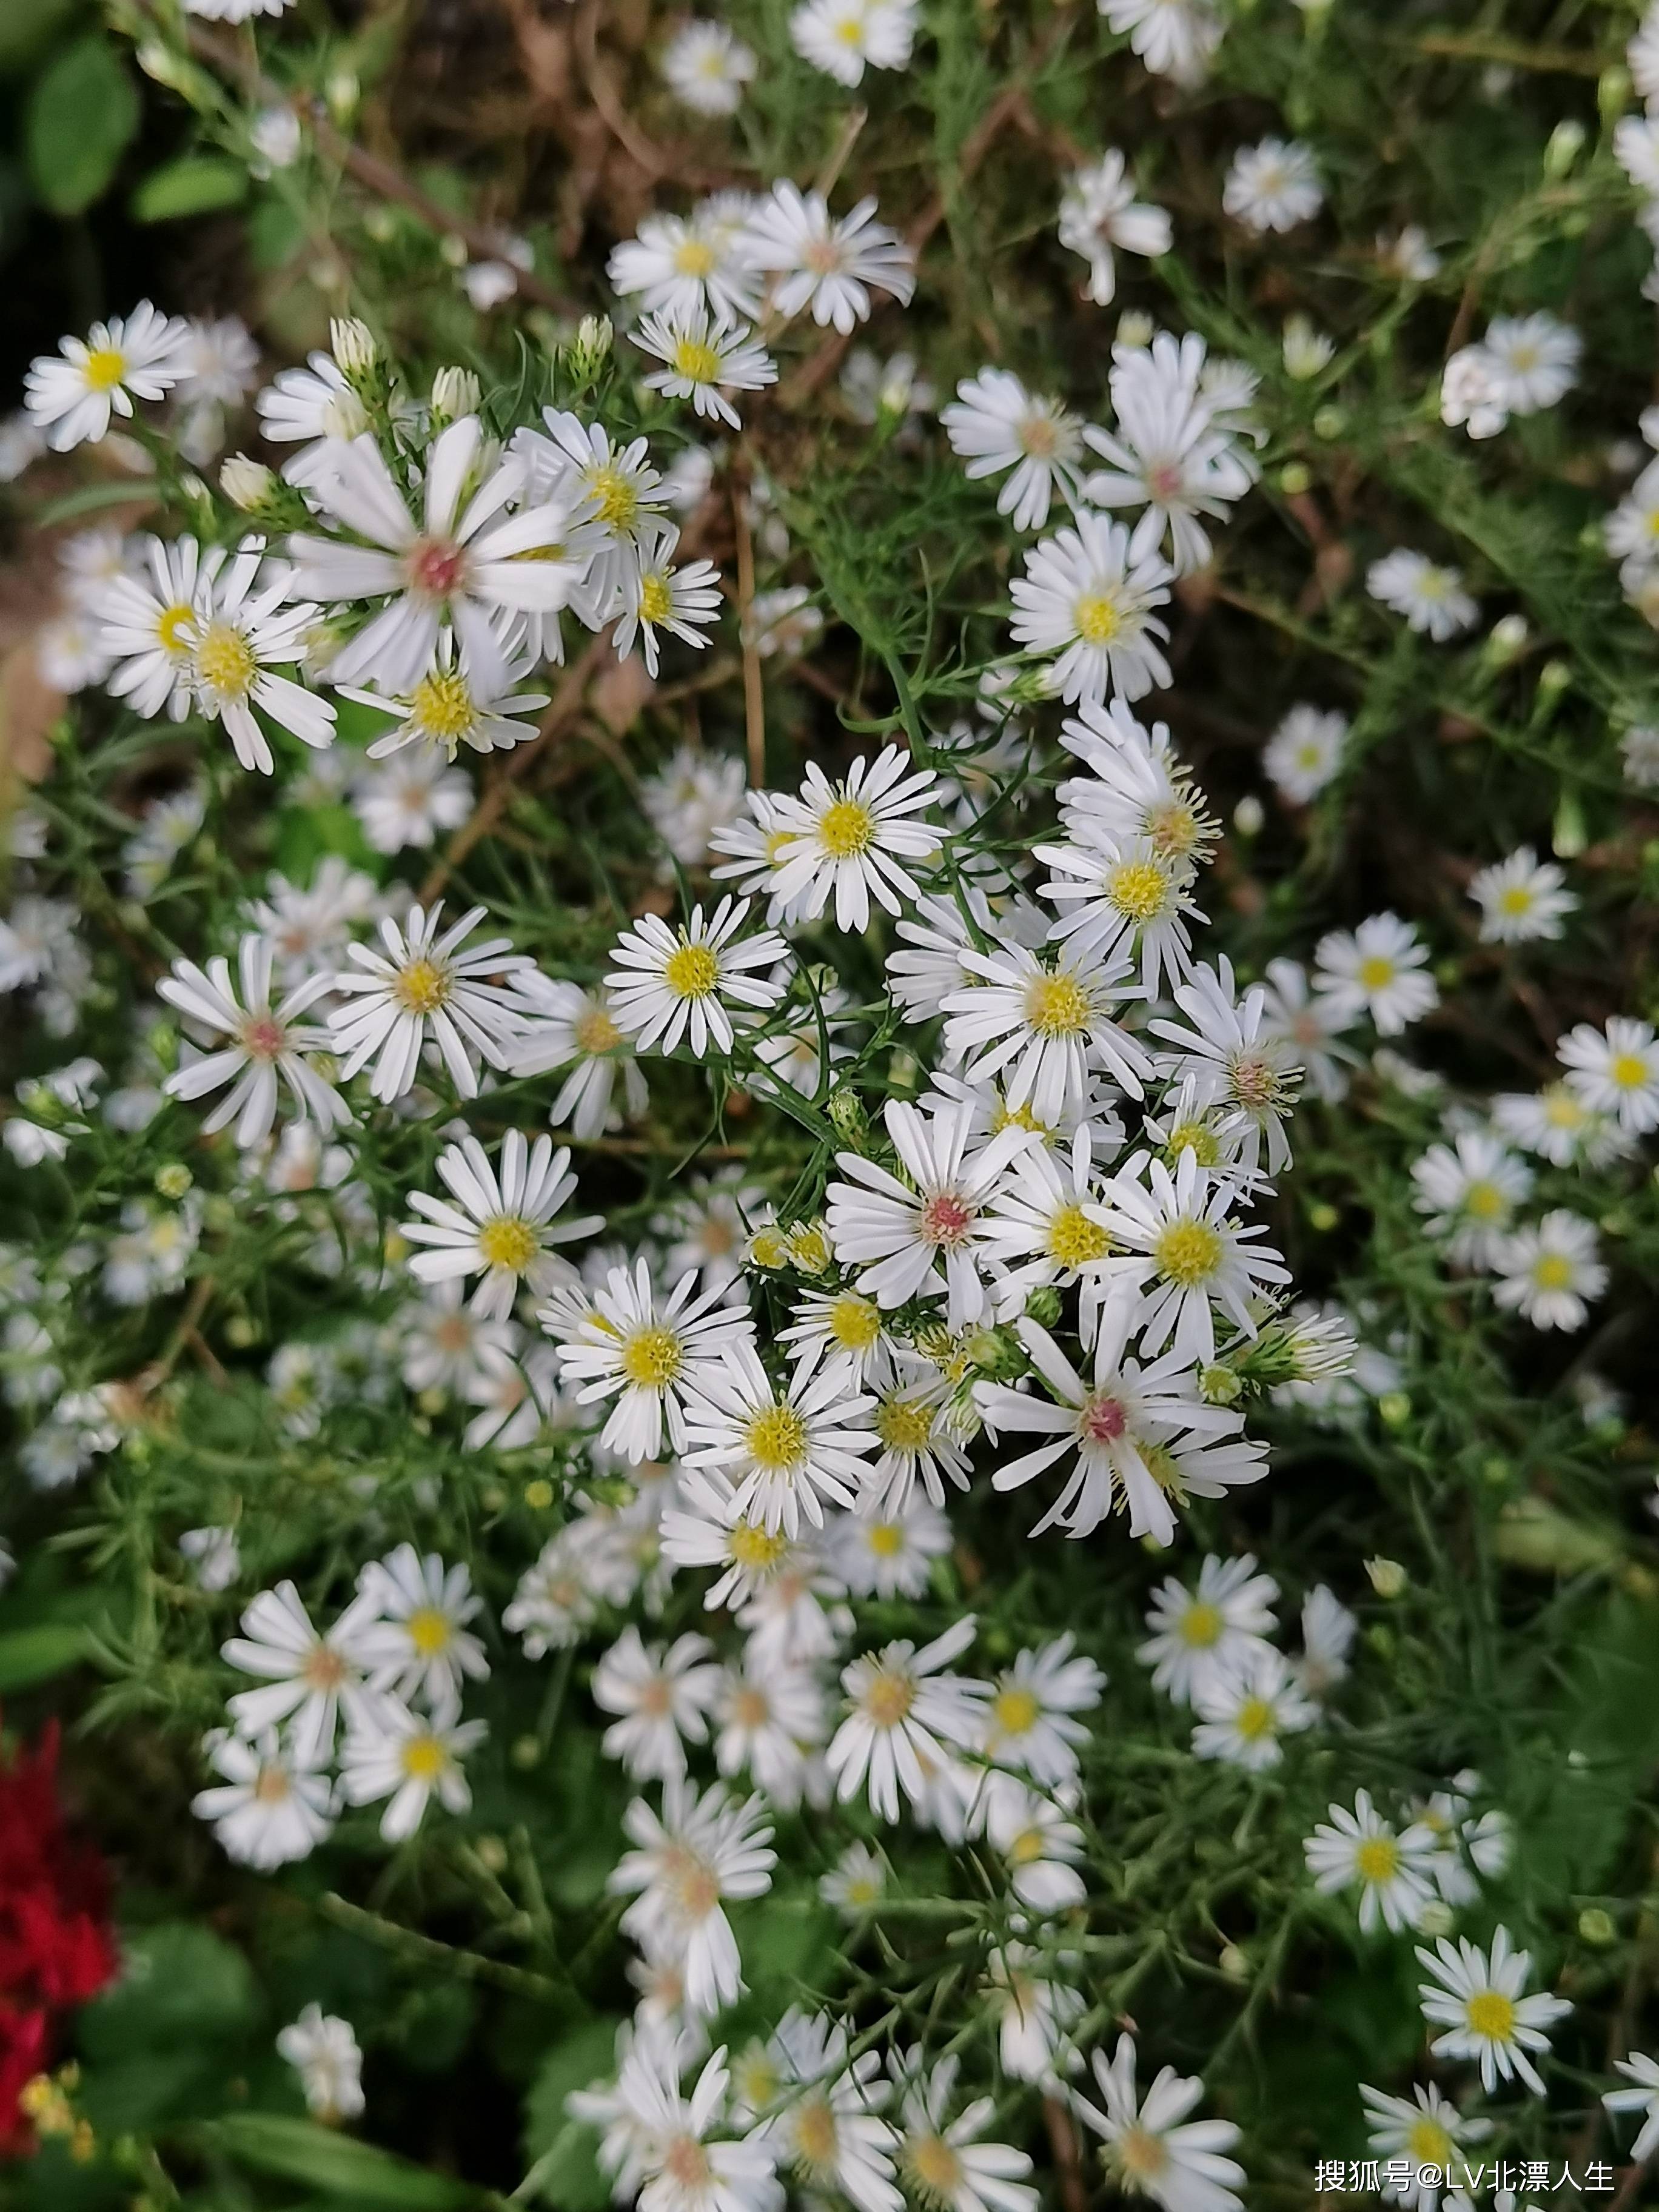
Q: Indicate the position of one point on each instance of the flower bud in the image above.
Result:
(1249, 816)
(354, 346)
(455, 392)
(247, 484)
(589, 350)
(173, 1179)
(1219, 1385)
(1135, 329)
(1387, 1576)
(1566, 143)
(1045, 1306)
(1595, 1926)
(847, 1115)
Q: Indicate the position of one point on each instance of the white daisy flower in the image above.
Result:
(1044, 1028)
(569, 1026)
(1477, 1997)
(1379, 970)
(1034, 2014)
(408, 800)
(1643, 2096)
(261, 1043)
(1424, 2133)
(1309, 1023)
(70, 395)
(485, 711)
(1181, 1250)
(1272, 186)
(324, 2052)
(857, 1882)
(241, 630)
(647, 1356)
(1535, 360)
(916, 1445)
(1175, 39)
(887, 1553)
(1086, 603)
(829, 265)
(311, 407)
(1304, 753)
(1029, 1719)
(945, 2163)
(1549, 1274)
(1167, 454)
(785, 1452)
(1328, 1629)
(829, 2134)
(1037, 1842)
(419, 1644)
(678, 264)
(1214, 1630)
(657, 597)
(843, 37)
(500, 1229)
(1615, 1071)
(1243, 1716)
(708, 68)
(671, 987)
(996, 424)
(392, 1753)
(851, 838)
(424, 989)
(771, 1721)
(1149, 2146)
(1521, 899)
(1469, 1190)
(685, 1865)
(1392, 1868)
(309, 1677)
(705, 359)
(841, 1328)
(1101, 218)
(1239, 1072)
(1429, 596)
(271, 1808)
(906, 1717)
(664, 1694)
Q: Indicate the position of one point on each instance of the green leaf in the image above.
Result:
(83, 114)
(28, 1656)
(563, 2150)
(357, 2173)
(195, 184)
(88, 499)
(25, 27)
(1606, 1752)
(183, 1985)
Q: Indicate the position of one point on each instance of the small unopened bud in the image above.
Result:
(996, 1352)
(1566, 143)
(1612, 90)
(526, 1752)
(159, 63)
(539, 1495)
(1249, 816)
(1509, 637)
(492, 1854)
(1044, 1305)
(1219, 1385)
(1569, 837)
(589, 350)
(455, 392)
(247, 484)
(1387, 1576)
(1294, 479)
(1554, 676)
(1435, 1919)
(173, 1180)
(241, 1330)
(354, 346)
(1135, 329)
(809, 1247)
(343, 92)
(769, 1248)
(1234, 1964)
(1595, 1926)
(847, 1115)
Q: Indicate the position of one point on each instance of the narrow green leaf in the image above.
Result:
(83, 114)
(357, 2173)
(28, 1656)
(195, 184)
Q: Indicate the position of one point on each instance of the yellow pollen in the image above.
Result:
(443, 706)
(814, 2132)
(1256, 1718)
(1038, 437)
(1057, 1005)
(1140, 889)
(756, 1549)
(1075, 1241)
(428, 1631)
(1016, 1117)
(885, 1538)
(1429, 2144)
(809, 1247)
(1378, 1859)
(1199, 1626)
(693, 257)
(691, 972)
(1097, 618)
(888, 1697)
(656, 599)
(1376, 973)
(1483, 1201)
(1173, 829)
(1491, 2014)
(933, 2168)
(172, 627)
(103, 367)
(509, 1241)
(696, 361)
(847, 829)
(777, 1437)
(1517, 899)
(652, 1358)
(854, 1323)
(904, 1424)
(1026, 1848)
(1628, 1070)
(271, 1787)
(1015, 1711)
(421, 987)
(615, 500)
(1551, 1271)
(849, 29)
(596, 1032)
(1562, 1110)
(1197, 1137)
(424, 1758)
(225, 661)
(1140, 2154)
(1187, 1253)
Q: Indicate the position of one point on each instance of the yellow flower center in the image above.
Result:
(1628, 1070)
(847, 829)
(428, 1631)
(103, 367)
(756, 1548)
(1483, 1201)
(1038, 435)
(656, 599)
(1016, 1117)
(814, 2132)
(1140, 889)
(1516, 899)
(1491, 2014)
(1074, 1240)
(1026, 1848)
(443, 706)
(1256, 1718)
(421, 987)
(777, 1437)
(888, 1697)
(271, 1786)
(225, 661)
(932, 2168)
(424, 1758)
(1187, 1253)
(809, 1247)
(596, 1032)
(1376, 973)
(1200, 1626)
(885, 1538)
(904, 1424)
(509, 1241)
(1057, 1005)
(696, 361)
(616, 500)
(1097, 618)
(1562, 1110)
(1015, 1711)
(691, 972)
(693, 257)
(1429, 2144)
(1552, 1271)
(172, 626)
(1140, 2154)
(1197, 1137)
(1174, 828)
(1378, 1859)
(652, 1358)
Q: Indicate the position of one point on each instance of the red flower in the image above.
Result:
(56, 1944)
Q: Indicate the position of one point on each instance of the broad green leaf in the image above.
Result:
(28, 1656)
(357, 2173)
(562, 2151)
(183, 1985)
(25, 26)
(195, 184)
(83, 114)
(1605, 1751)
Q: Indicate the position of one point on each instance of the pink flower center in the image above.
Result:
(436, 567)
(262, 1037)
(945, 1219)
(1164, 482)
(1104, 1419)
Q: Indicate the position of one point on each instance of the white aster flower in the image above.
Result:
(1615, 1071)
(1534, 360)
(569, 1026)
(658, 596)
(685, 1866)
(240, 632)
(944, 2162)
(408, 800)
(1379, 969)
(1549, 1273)
(843, 37)
(1469, 1190)
(787, 1451)
(708, 68)
(1477, 1997)
(670, 987)
(678, 264)
(645, 1354)
(500, 1228)
(1181, 1249)
(1043, 1029)
(1029, 1721)
(1244, 1715)
(1521, 899)
(71, 394)
(663, 1694)
(1100, 216)
(1429, 595)
(829, 265)
(851, 839)
(261, 1043)
(1272, 186)
(405, 1758)
(906, 1717)
(418, 1644)
(1214, 1630)
(322, 2052)
(996, 424)
(1424, 2132)
(271, 1808)
(1086, 604)
(1304, 753)
(704, 359)
(1643, 2096)
(1392, 1868)
(1175, 39)
(309, 1677)
(1168, 453)
(424, 987)
(1151, 2148)
(1034, 2013)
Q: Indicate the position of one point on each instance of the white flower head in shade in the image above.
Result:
(71, 394)
(685, 1865)
(242, 631)
(1036, 2012)
(499, 1227)
(1176, 39)
(1614, 1071)
(1549, 1273)
(787, 1450)
(310, 1677)
(907, 1717)
(663, 1695)
(843, 37)
(322, 2052)
(996, 424)
(1641, 2073)
(1151, 2149)
(403, 802)
(670, 987)
(568, 1026)
(1214, 1630)
(149, 622)
(1380, 968)
(423, 986)
(1085, 605)
(827, 264)
(1430, 595)
(485, 711)
(257, 1042)
(1391, 1869)
(1273, 186)
(1167, 454)
(465, 563)
(419, 1644)
(271, 1806)
(214, 1556)
(1304, 753)
(1100, 217)
(406, 1759)
(1522, 898)
(708, 68)
(648, 1352)
(947, 2163)
(1477, 1997)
